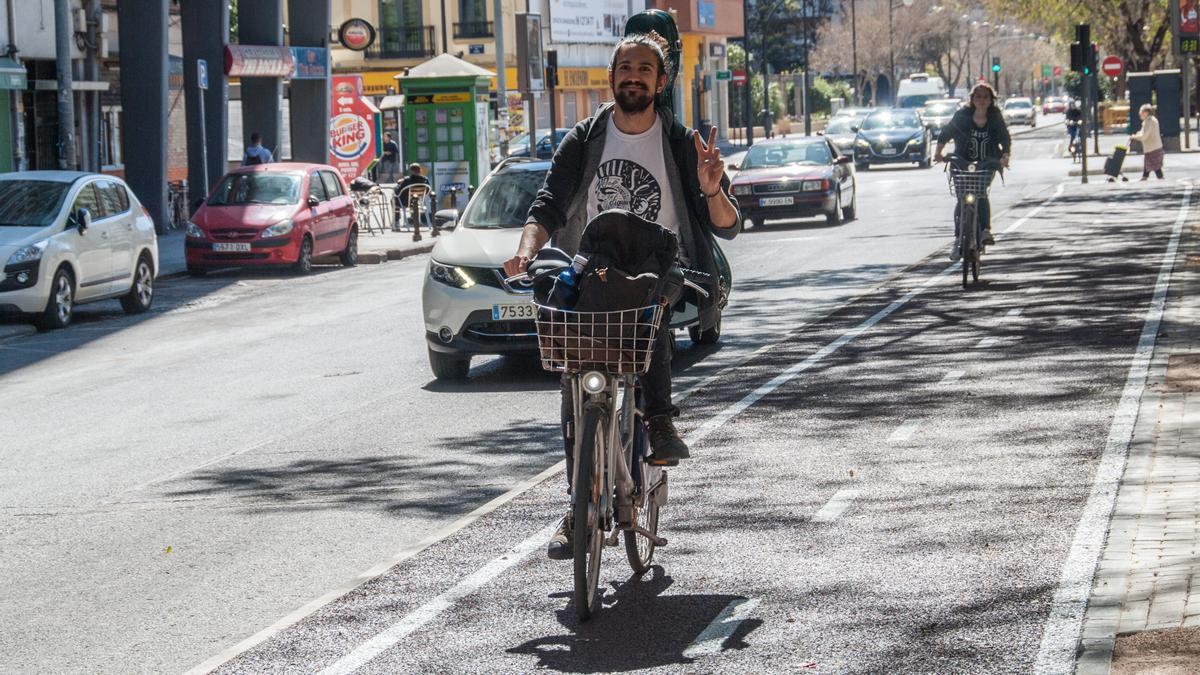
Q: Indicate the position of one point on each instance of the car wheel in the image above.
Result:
(304, 260)
(197, 272)
(834, 217)
(349, 256)
(710, 336)
(141, 293)
(851, 212)
(60, 307)
(449, 367)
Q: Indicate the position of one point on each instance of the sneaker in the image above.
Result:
(955, 251)
(667, 447)
(988, 240)
(560, 547)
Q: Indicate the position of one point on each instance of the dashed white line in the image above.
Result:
(1015, 312)
(904, 431)
(1057, 193)
(1060, 637)
(1032, 290)
(986, 342)
(836, 506)
(951, 377)
(710, 640)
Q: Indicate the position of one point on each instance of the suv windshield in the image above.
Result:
(1017, 104)
(257, 188)
(939, 109)
(891, 120)
(838, 125)
(503, 201)
(777, 154)
(915, 100)
(30, 203)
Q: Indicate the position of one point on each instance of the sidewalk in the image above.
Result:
(1144, 611)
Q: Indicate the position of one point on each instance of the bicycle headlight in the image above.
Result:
(28, 254)
(970, 198)
(594, 382)
(194, 231)
(278, 229)
(450, 275)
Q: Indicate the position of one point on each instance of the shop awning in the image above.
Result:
(391, 102)
(12, 74)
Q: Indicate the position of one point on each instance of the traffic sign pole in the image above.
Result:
(202, 85)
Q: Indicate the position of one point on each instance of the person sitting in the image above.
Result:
(411, 192)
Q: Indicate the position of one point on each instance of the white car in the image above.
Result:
(1020, 111)
(68, 238)
(468, 306)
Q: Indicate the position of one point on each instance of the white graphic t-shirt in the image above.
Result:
(633, 176)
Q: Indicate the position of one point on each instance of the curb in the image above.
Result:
(15, 330)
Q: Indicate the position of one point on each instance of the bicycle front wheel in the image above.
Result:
(966, 228)
(586, 510)
(639, 549)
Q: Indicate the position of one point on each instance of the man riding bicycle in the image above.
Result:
(634, 155)
(1074, 120)
(979, 133)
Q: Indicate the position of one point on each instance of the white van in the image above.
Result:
(918, 88)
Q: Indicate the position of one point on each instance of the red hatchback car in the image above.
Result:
(273, 214)
(795, 178)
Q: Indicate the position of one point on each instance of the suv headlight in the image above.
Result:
(450, 275)
(278, 229)
(27, 254)
(194, 231)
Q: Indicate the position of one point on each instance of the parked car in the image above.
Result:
(937, 113)
(1054, 104)
(856, 115)
(1020, 110)
(841, 131)
(273, 214)
(519, 146)
(67, 238)
(796, 178)
(891, 136)
(468, 307)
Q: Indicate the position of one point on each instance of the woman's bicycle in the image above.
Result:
(969, 183)
(615, 492)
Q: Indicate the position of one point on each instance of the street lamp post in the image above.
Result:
(891, 48)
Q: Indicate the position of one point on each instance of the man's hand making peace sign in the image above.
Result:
(710, 171)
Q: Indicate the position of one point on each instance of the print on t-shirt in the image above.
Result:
(979, 144)
(622, 184)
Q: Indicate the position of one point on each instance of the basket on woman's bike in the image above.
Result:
(619, 342)
(970, 182)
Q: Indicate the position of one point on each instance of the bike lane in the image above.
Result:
(904, 501)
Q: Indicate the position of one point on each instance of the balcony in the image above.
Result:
(472, 29)
(415, 42)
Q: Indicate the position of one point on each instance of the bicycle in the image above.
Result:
(177, 204)
(969, 183)
(615, 490)
(1074, 140)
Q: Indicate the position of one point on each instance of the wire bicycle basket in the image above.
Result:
(618, 342)
(970, 182)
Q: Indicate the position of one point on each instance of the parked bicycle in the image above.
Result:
(177, 204)
(615, 491)
(969, 183)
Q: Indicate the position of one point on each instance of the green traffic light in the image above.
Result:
(996, 68)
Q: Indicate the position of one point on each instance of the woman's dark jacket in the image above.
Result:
(959, 130)
(561, 204)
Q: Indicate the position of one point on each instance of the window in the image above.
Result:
(316, 188)
(30, 203)
(395, 14)
(110, 198)
(333, 184)
(87, 199)
(256, 188)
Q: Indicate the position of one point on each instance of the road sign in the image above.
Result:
(739, 77)
(1112, 66)
(202, 73)
(724, 75)
(1046, 70)
(1058, 71)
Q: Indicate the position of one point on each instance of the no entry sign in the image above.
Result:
(1112, 66)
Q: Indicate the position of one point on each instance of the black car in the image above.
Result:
(891, 137)
(519, 147)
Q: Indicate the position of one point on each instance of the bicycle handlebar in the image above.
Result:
(555, 270)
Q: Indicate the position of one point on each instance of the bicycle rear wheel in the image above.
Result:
(966, 227)
(586, 511)
(638, 548)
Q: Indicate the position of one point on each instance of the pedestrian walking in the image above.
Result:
(389, 162)
(1151, 140)
(410, 192)
(256, 153)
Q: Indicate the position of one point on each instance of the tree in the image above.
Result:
(1135, 30)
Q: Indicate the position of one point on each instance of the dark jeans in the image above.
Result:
(1158, 173)
(656, 391)
(985, 215)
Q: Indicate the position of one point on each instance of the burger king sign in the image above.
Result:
(352, 124)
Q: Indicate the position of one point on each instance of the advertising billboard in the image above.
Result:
(351, 127)
(588, 21)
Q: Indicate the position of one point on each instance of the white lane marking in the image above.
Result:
(776, 241)
(1061, 635)
(951, 377)
(836, 506)
(1015, 312)
(1057, 193)
(986, 342)
(375, 571)
(1032, 289)
(430, 610)
(904, 431)
(710, 640)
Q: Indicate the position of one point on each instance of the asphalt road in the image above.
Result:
(176, 483)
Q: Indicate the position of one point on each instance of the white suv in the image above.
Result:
(67, 238)
(1020, 110)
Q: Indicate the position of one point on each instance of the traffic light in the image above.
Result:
(552, 68)
(1082, 52)
(995, 64)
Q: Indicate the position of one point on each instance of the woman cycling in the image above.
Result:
(979, 133)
